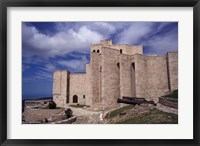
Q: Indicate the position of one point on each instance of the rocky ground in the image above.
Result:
(38, 115)
(84, 115)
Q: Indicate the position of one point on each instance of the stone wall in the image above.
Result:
(110, 78)
(151, 76)
(127, 49)
(95, 48)
(37, 102)
(88, 98)
(126, 76)
(95, 78)
(170, 102)
(60, 86)
(78, 87)
(172, 58)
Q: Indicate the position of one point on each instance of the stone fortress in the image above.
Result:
(116, 70)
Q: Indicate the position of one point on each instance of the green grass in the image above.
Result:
(173, 95)
(155, 116)
(77, 106)
(118, 111)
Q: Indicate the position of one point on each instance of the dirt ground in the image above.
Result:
(84, 116)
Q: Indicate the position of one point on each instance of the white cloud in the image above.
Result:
(162, 44)
(39, 75)
(42, 75)
(134, 33)
(105, 29)
(34, 60)
(151, 35)
(61, 43)
(77, 65)
(49, 67)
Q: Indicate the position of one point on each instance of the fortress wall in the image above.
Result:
(110, 78)
(106, 42)
(173, 69)
(137, 49)
(95, 68)
(96, 47)
(60, 87)
(100, 80)
(126, 87)
(128, 50)
(140, 75)
(78, 87)
(151, 76)
(88, 98)
(157, 80)
(56, 82)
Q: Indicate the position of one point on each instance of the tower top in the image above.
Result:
(106, 42)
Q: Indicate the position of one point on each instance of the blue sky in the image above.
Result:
(48, 46)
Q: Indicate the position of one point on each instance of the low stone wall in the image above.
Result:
(170, 102)
(65, 121)
(37, 103)
(167, 109)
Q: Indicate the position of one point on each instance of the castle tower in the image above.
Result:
(61, 87)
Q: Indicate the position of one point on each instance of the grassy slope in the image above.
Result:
(155, 116)
(120, 110)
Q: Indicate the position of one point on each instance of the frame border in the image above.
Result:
(97, 3)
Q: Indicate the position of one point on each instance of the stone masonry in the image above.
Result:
(115, 71)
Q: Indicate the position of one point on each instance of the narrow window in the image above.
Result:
(133, 65)
(97, 51)
(118, 65)
(120, 51)
(118, 80)
(133, 80)
(93, 50)
(83, 96)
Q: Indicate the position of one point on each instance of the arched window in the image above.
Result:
(93, 50)
(75, 99)
(97, 51)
